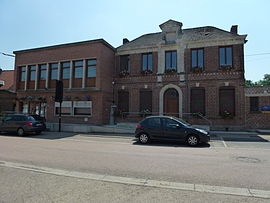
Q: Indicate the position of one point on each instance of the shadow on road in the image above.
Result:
(44, 135)
(240, 138)
(171, 144)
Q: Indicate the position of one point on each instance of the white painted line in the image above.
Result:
(142, 182)
(224, 143)
(95, 141)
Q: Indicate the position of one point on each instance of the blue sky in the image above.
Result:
(36, 23)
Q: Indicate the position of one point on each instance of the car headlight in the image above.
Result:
(202, 131)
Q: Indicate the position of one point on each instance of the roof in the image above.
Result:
(8, 77)
(205, 33)
(67, 45)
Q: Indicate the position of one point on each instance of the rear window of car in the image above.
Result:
(152, 122)
(30, 118)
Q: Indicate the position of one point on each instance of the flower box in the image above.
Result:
(123, 73)
(170, 71)
(146, 72)
(225, 67)
(197, 69)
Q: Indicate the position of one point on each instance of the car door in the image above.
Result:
(6, 124)
(153, 127)
(173, 129)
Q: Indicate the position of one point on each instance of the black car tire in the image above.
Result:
(192, 140)
(144, 138)
(20, 132)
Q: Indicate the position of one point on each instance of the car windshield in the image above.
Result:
(183, 122)
(37, 117)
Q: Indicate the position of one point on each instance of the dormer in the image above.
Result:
(171, 30)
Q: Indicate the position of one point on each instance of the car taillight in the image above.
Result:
(138, 126)
(29, 123)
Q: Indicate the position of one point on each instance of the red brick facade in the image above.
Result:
(168, 75)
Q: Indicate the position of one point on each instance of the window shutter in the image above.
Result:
(197, 101)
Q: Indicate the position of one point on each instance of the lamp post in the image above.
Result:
(113, 106)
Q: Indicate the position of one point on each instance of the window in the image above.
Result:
(169, 123)
(225, 56)
(54, 71)
(197, 58)
(22, 73)
(125, 63)
(32, 70)
(147, 62)
(170, 58)
(123, 101)
(146, 100)
(197, 100)
(254, 104)
(78, 69)
(66, 108)
(91, 68)
(227, 101)
(42, 72)
(154, 122)
(65, 66)
(82, 108)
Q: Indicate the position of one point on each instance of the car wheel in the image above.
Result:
(192, 140)
(20, 132)
(144, 138)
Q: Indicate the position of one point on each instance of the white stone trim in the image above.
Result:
(47, 76)
(161, 98)
(26, 77)
(36, 79)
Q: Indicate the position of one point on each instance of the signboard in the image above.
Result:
(265, 109)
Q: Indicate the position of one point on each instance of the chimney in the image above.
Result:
(125, 40)
(234, 29)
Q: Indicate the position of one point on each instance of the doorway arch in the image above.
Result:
(170, 99)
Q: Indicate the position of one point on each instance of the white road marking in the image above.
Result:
(224, 143)
(142, 182)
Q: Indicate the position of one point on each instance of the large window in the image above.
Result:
(65, 66)
(254, 104)
(78, 69)
(125, 63)
(22, 73)
(91, 68)
(170, 60)
(227, 101)
(147, 62)
(32, 70)
(66, 108)
(197, 100)
(225, 56)
(197, 58)
(82, 108)
(75, 108)
(54, 71)
(42, 72)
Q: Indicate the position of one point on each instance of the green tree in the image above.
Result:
(264, 82)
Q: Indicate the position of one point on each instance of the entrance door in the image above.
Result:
(171, 102)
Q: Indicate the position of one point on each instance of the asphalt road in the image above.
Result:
(229, 161)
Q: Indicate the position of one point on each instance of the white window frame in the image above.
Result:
(82, 104)
(66, 104)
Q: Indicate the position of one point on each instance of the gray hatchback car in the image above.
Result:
(21, 124)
